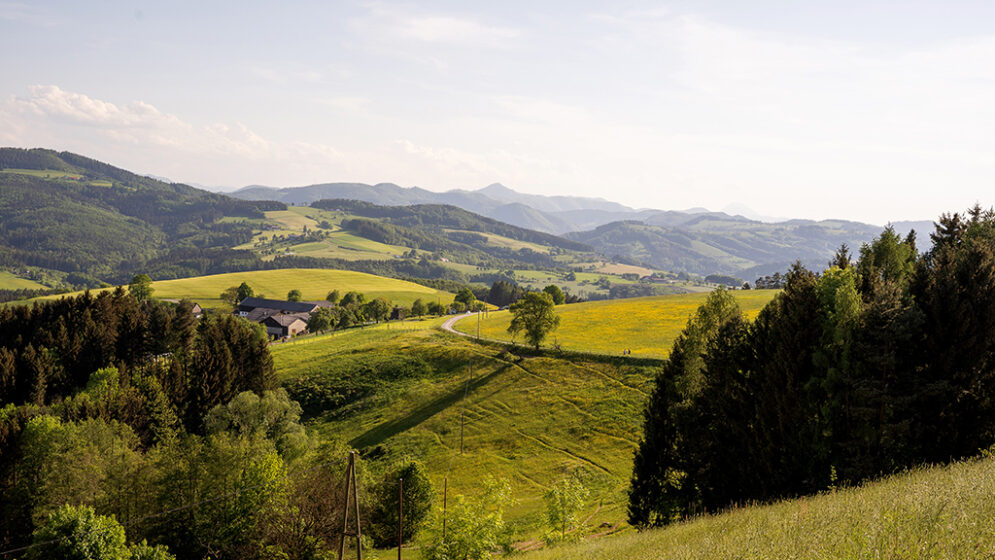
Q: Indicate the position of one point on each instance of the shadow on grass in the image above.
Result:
(378, 434)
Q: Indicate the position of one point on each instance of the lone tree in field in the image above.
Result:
(534, 314)
(294, 295)
(141, 287)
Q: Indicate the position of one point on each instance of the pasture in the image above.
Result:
(9, 281)
(645, 326)
(529, 420)
(56, 175)
(934, 513)
(314, 284)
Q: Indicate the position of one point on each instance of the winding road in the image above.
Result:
(448, 325)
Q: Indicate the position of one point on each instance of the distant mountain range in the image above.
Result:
(94, 222)
(694, 240)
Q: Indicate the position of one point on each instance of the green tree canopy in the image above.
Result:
(466, 297)
(418, 308)
(141, 287)
(418, 498)
(563, 504)
(352, 299)
(78, 533)
(333, 296)
(534, 315)
(294, 295)
(554, 291)
(321, 320)
(244, 291)
(474, 528)
(377, 309)
(230, 296)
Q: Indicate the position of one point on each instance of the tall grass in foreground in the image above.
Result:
(934, 513)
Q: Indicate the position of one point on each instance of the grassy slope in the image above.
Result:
(314, 284)
(941, 513)
(646, 326)
(531, 421)
(339, 244)
(8, 281)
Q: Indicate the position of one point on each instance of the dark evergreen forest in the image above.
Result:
(865, 369)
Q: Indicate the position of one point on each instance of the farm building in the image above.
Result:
(282, 326)
(281, 318)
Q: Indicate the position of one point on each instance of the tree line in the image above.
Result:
(864, 369)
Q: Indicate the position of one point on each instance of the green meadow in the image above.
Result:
(941, 513)
(529, 420)
(9, 281)
(645, 326)
(54, 174)
(314, 284)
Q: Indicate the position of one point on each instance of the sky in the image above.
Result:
(861, 110)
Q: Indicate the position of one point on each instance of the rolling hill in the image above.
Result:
(69, 213)
(716, 244)
(314, 284)
(696, 240)
(393, 392)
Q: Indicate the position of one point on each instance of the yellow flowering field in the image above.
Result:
(645, 326)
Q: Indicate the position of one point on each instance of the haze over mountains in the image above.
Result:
(694, 240)
(66, 212)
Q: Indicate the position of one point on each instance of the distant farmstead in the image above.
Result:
(281, 318)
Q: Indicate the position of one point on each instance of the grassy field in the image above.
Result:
(646, 326)
(8, 281)
(345, 245)
(338, 244)
(507, 242)
(531, 420)
(55, 175)
(936, 513)
(314, 284)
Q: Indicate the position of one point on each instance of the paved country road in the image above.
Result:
(448, 325)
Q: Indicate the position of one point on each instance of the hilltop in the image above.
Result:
(93, 222)
(695, 240)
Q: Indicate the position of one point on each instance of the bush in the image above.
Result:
(418, 498)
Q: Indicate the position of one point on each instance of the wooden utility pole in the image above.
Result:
(462, 411)
(400, 515)
(445, 493)
(351, 493)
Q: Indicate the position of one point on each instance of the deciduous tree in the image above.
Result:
(534, 315)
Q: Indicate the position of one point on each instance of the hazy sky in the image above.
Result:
(873, 111)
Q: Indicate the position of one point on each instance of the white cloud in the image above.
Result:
(140, 137)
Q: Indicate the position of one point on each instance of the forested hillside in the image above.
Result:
(65, 212)
(721, 244)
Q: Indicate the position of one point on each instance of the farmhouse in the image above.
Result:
(282, 326)
(251, 304)
(281, 318)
